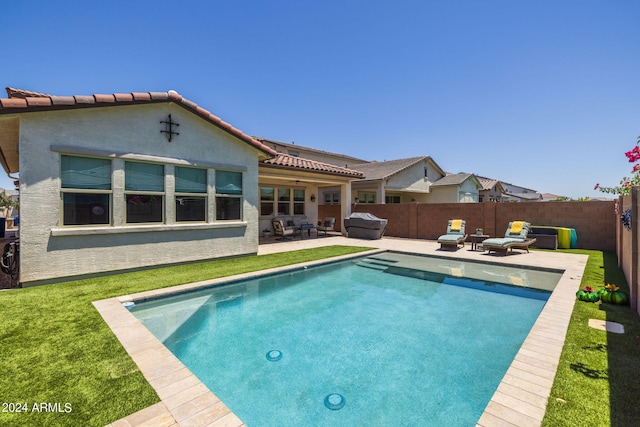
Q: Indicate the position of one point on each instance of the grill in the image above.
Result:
(364, 225)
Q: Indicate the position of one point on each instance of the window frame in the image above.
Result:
(182, 195)
(86, 191)
(146, 193)
(219, 196)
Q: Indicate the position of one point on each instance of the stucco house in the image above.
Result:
(397, 181)
(456, 188)
(496, 190)
(492, 190)
(414, 179)
(121, 181)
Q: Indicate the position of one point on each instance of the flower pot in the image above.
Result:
(615, 297)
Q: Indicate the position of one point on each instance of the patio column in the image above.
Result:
(345, 205)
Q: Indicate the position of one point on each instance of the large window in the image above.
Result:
(282, 201)
(391, 199)
(228, 195)
(87, 193)
(86, 190)
(366, 197)
(331, 197)
(144, 192)
(298, 201)
(266, 201)
(191, 194)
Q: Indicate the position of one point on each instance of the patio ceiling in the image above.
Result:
(301, 177)
(9, 135)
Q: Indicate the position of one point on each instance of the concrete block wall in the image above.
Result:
(629, 245)
(594, 222)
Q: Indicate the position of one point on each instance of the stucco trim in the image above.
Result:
(78, 150)
(88, 231)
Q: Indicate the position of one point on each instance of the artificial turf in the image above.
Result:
(598, 377)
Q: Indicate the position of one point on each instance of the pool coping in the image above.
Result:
(520, 399)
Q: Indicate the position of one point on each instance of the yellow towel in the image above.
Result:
(456, 224)
(516, 227)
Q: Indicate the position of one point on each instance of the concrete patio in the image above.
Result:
(520, 399)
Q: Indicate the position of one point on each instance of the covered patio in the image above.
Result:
(290, 187)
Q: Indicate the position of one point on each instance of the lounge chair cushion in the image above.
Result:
(501, 241)
(450, 238)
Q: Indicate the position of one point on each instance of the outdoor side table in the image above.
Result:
(307, 227)
(476, 240)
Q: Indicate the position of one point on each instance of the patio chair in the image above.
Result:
(455, 234)
(280, 230)
(328, 224)
(514, 238)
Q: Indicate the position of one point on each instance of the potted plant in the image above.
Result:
(478, 231)
(587, 294)
(266, 232)
(613, 295)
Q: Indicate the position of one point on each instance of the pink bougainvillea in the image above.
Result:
(627, 182)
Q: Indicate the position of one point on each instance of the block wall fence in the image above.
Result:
(594, 221)
(629, 244)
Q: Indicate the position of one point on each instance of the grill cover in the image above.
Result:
(364, 225)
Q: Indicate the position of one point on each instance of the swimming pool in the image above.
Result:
(397, 341)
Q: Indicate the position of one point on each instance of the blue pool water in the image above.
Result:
(353, 343)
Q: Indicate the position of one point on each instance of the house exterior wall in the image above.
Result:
(448, 194)
(413, 179)
(50, 250)
(468, 192)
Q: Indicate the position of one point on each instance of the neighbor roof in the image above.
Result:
(488, 183)
(383, 170)
(455, 179)
(286, 161)
(23, 101)
(274, 144)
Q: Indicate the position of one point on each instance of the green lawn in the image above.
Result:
(598, 379)
(57, 350)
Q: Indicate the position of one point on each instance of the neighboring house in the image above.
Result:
(548, 197)
(516, 193)
(295, 150)
(492, 190)
(121, 181)
(456, 188)
(396, 181)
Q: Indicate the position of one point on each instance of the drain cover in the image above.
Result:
(334, 401)
(274, 355)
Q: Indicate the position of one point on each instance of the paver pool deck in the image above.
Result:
(520, 399)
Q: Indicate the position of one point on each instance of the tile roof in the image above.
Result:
(22, 101)
(286, 161)
(383, 170)
(487, 183)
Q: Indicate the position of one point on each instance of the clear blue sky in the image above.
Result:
(543, 94)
